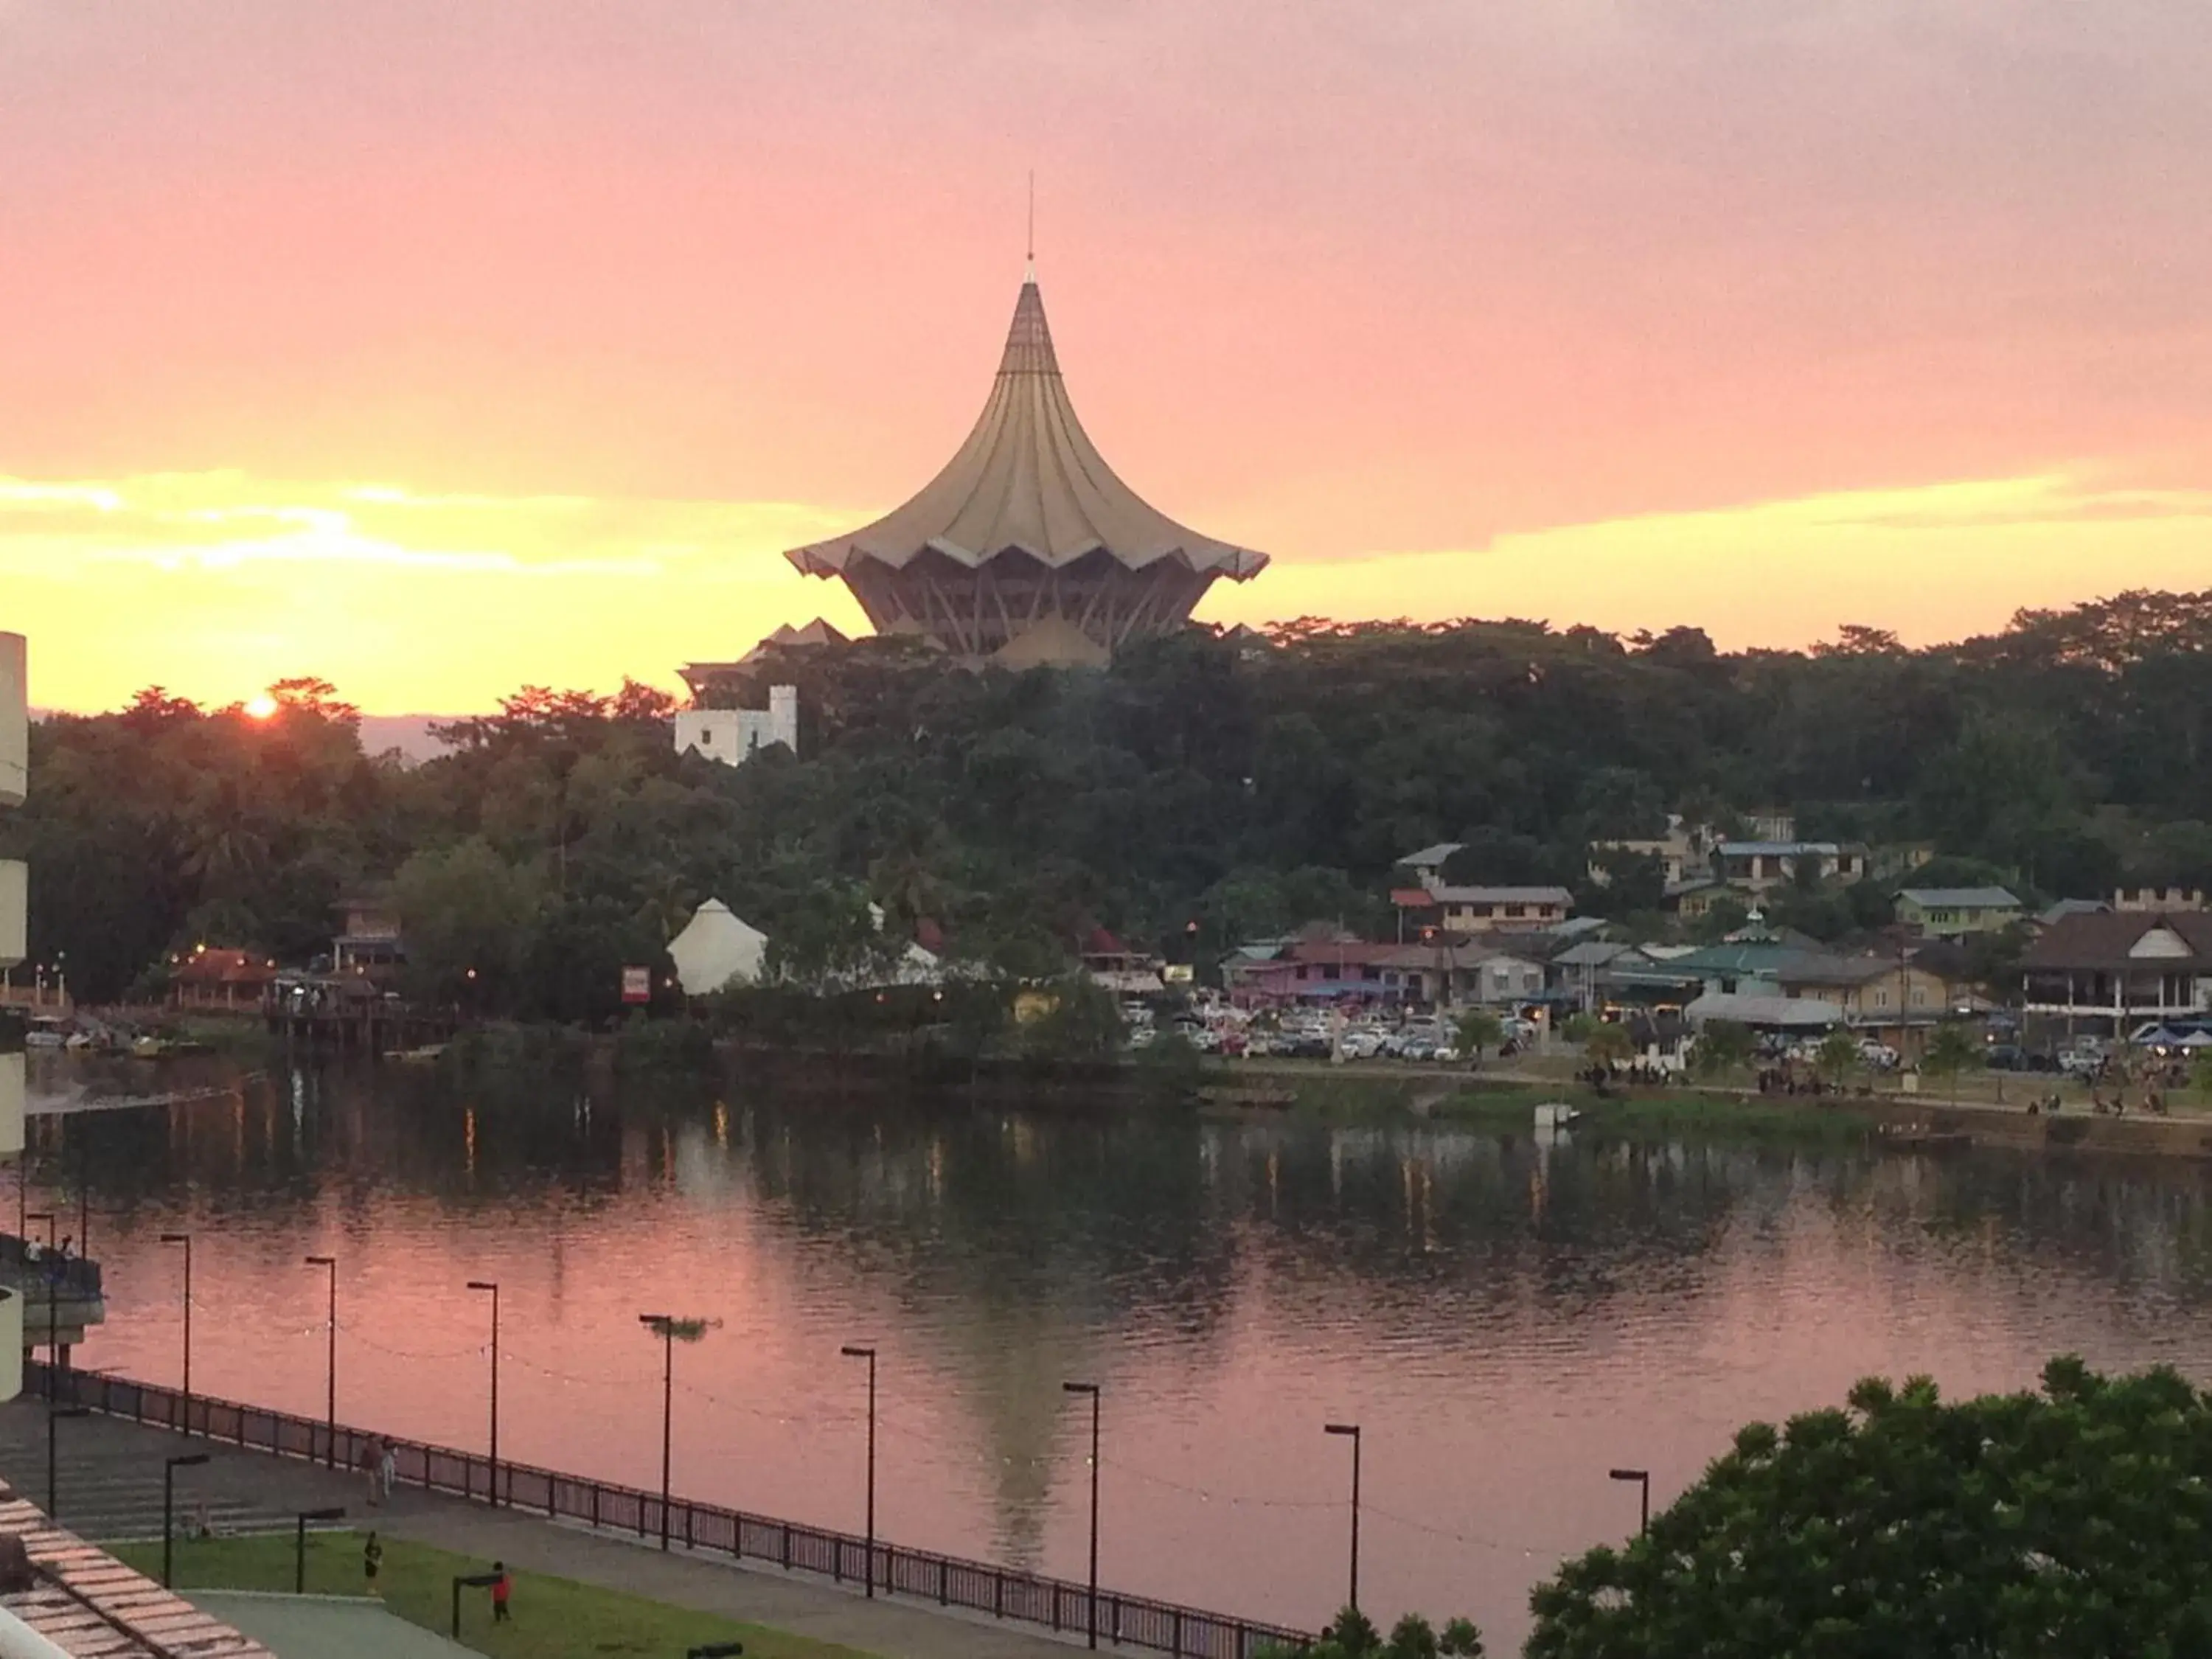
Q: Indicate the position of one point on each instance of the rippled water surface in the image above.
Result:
(1506, 1321)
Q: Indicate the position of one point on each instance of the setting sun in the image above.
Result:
(260, 707)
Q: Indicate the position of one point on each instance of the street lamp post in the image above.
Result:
(299, 1545)
(54, 1415)
(1092, 1600)
(492, 1285)
(185, 1239)
(664, 1326)
(1351, 1430)
(1642, 1479)
(853, 1352)
(330, 1366)
(188, 1461)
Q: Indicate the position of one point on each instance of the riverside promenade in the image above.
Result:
(108, 1487)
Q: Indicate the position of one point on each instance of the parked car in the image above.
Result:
(1878, 1056)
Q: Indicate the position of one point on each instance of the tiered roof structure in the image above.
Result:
(1027, 548)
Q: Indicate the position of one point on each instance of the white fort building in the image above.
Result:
(734, 736)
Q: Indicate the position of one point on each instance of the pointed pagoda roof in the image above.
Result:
(1028, 478)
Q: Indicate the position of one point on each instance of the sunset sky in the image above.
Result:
(437, 348)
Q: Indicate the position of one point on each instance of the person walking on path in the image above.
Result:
(371, 1557)
(387, 1468)
(501, 1588)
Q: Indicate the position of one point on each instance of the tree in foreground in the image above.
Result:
(1354, 1636)
(1952, 1051)
(1723, 1046)
(1479, 1028)
(2068, 1524)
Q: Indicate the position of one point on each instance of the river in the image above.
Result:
(1505, 1321)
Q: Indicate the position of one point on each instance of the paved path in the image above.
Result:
(110, 1489)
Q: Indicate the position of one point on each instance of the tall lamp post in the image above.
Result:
(1642, 1479)
(1092, 1600)
(330, 1366)
(854, 1352)
(188, 1461)
(185, 1239)
(492, 1285)
(664, 1326)
(1352, 1431)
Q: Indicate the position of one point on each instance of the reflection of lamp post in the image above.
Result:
(185, 1239)
(852, 1351)
(188, 1461)
(331, 1369)
(1091, 1601)
(1642, 1479)
(54, 1414)
(1352, 1431)
(493, 1286)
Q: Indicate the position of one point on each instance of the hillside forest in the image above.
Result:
(1205, 790)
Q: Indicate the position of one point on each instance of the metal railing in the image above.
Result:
(948, 1581)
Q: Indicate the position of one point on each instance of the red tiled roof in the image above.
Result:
(225, 968)
(93, 1607)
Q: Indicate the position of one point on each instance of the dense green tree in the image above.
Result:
(1723, 1047)
(1952, 1049)
(1250, 787)
(2068, 1524)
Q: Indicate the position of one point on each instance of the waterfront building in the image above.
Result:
(734, 736)
(2104, 972)
(1027, 548)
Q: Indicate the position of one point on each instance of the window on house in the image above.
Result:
(1480, 909)
(1517, 909)
(1301, 973)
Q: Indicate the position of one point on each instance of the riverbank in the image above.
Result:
(1376, 1095)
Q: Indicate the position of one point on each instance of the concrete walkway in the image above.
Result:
(110, 1488)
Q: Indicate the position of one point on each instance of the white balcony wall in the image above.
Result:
(14, 721)
(14, 910)
(11, 1345)
(12, 1099)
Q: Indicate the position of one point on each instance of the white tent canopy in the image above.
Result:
(716, 950)
(1765, 1013)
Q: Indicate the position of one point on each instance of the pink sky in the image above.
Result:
(1335, 280)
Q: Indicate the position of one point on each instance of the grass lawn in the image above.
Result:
(554, 1618)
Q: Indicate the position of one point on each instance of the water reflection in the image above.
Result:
(1506, 1319)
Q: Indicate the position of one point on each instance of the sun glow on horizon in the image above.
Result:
(413, 604)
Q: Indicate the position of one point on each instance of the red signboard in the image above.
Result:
(637, 985)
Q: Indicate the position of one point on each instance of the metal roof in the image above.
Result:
(1028, 479)
(1961, 898)
(1430, 858)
